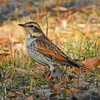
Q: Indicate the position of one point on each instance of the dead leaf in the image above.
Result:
(90, 64)
(30, 98)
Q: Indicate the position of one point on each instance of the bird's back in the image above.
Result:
(50, 50)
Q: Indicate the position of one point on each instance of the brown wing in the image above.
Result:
(49, 49)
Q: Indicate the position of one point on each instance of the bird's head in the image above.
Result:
(32, 28)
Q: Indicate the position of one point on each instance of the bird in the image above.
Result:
(42, 50)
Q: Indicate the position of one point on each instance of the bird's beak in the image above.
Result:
(22, 25)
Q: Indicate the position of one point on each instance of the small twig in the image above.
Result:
(47, 26)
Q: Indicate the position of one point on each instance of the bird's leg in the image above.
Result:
(52, 68)
(50, 75)
(55, 73)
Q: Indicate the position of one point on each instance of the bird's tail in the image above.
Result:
(74, 63)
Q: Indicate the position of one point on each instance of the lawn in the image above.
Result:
(21, 78)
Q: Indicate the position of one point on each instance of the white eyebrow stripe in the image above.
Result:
(36, 25)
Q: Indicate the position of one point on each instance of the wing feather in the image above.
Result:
(49, 49)
(46, 47)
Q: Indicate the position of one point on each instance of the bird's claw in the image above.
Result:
(54, 74)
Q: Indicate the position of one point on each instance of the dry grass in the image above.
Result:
(19, 73)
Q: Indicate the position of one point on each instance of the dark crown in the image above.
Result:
(34, 25)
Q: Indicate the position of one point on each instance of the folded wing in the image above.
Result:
(47, 48)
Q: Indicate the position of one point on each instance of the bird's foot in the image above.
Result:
(54, 74)
(49, 76)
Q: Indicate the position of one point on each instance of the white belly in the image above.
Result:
(35, 55)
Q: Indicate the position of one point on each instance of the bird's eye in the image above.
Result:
(30, 25)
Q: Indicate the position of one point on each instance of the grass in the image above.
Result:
(18, 73)
(82, 49)
(21, 73)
